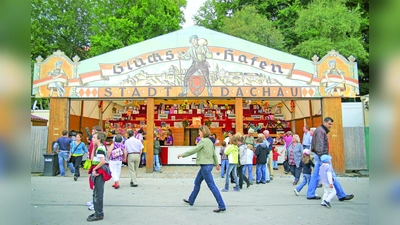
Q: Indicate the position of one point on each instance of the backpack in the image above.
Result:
(115, 153)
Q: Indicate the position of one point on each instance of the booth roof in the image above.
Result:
(33, 117)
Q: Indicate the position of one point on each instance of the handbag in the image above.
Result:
(286, 166)
(70, 158)
(87, 164)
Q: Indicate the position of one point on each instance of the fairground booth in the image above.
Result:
(191, 77)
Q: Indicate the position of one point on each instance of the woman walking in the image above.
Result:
(294, 154)
(116, 152)
(78, 148)
(206, 158)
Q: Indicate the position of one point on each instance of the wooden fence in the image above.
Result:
(38, 147)
(354, 148)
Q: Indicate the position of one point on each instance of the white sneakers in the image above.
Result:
(91, 206)
(296, 192)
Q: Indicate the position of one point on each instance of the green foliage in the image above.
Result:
(249, 25)
(328, 24)
(207, 16)
(59, 25)
(41, 103)
(124, 22)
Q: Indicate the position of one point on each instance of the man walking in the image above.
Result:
(319, 147)
(63, 152)
(134, 149)
(306, 138)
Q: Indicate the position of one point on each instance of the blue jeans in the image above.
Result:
(250, 171)
(267, 170)
(224, 166)
(260, 172)
(205, 174)
(143, 158)
(312, 186)
(232, 168)
(275, 165)
(63, 156)
(156, 165)
(306, 180)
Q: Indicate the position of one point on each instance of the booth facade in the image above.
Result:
(198, 76)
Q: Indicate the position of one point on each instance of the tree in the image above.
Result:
(282, 13)
(122, 23)
(60, 25)
(328, 24)
(249, 25)
(208, 17)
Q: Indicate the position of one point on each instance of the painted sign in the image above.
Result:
(197, 70)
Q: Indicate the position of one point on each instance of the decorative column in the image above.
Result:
(239, 115)
(58, 119)
(149, 135)
(332, 107)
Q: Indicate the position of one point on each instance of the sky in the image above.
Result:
(191, 9)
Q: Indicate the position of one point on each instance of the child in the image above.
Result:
(99, 173)
(261, 153)
(249, 163)
(242, 163)
(326, 179)
(224, 160)
(306, 163)
(275, 156)
(232, 151)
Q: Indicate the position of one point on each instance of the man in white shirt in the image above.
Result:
(306, 138)
(134, 149)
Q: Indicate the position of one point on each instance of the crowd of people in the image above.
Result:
(309, 157)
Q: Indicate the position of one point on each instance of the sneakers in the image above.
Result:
(91, 207)
(327, 204)
(75, 178)
(89, 203)
(296, 192)
(95, 218)
(224, 190)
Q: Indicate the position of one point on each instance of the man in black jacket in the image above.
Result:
(320, 146)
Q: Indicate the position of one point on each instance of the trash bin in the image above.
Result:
(50, 164)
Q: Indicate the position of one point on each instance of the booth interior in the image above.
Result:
(182, 117)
